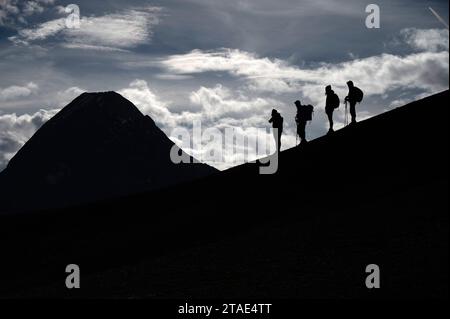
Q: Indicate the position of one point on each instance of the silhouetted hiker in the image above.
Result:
(304, 114)
(277, 124)
(355, 95)
(331, 103)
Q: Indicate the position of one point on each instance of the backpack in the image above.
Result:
(278, 121)
(309, 112)
(335, 102)
(358, 94)
(305, 113)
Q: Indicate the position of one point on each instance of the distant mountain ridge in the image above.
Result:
(98, 146)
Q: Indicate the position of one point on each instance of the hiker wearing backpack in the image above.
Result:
(277, 124)
(304, 114)
(355, 95)
(331, 104)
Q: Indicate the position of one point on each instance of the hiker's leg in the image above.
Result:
(353, 111)
(330, 119)
(279, 140)
(303, 128)
(275, 137)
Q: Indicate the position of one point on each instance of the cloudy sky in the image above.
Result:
(225, 63)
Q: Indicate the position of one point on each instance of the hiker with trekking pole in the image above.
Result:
(277, 124)
(355, 95)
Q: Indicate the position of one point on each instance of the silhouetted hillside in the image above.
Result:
(373, 193)
(98, 146)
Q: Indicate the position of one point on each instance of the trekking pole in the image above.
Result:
(346, 115)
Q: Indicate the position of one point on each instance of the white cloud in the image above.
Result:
(122, 30)
(32, 7)
(14, 91)
(216, 105)
(116, 31)
(170, 77)
(66, 96)
(426, 70)
(235, 61)
(219, 102)
(219, 108)
(267, 81)
(8, 8)
(148, 103)
(13, 12)
(60, 10)
(426, 39)
(416, 75)
(82, 46)
(15, 130)
(377, 74)
(41, 32)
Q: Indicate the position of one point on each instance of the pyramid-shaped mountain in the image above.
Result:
(98, 146)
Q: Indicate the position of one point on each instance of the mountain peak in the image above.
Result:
(108, 103)
(100, 145)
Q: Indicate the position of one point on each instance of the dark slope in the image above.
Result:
(98, 146)
(374, 193)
